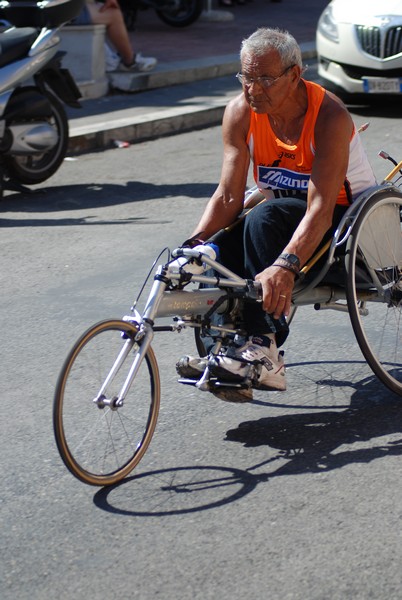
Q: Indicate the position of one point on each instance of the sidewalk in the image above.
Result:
(194, 78)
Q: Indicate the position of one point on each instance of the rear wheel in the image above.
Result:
(130, 18)
(100, 441)
(374, 286)
(181, 13)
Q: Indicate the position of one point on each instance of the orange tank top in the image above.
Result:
(284, 167)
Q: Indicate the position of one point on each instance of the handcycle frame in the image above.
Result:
(222, 292)
(163, 302)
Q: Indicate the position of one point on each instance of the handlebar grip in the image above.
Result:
(254, 290)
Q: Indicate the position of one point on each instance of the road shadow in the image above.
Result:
(309, 376)
(303, 443)
(87, 196)
(310, 441)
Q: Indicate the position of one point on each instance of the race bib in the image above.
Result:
(282, 179)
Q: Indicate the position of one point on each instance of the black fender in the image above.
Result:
(59, 80)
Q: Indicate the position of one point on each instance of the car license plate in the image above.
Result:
(381, 85)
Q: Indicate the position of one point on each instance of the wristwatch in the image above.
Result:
(290, 262)
(291, 258)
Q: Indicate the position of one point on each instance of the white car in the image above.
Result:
(359, 46)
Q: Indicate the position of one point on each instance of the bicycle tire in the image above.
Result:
(376, 315)
(100, 445)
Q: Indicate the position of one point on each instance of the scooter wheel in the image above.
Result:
(35, 168)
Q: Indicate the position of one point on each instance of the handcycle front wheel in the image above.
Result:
(99, 441)
(375, 300)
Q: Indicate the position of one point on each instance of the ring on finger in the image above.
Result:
(282, 296)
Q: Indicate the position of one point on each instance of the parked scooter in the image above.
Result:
(177, 13)
(33, 123)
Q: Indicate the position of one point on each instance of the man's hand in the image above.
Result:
(277, 286)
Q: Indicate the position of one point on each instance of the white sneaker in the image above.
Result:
(140, 64)
(192, 367)
(260, 352)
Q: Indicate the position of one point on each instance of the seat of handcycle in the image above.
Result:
(335, 275)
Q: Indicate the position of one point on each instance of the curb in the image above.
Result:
(136, 122)
(168, 74)
(149, 127)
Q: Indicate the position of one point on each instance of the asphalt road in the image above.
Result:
(294, 496)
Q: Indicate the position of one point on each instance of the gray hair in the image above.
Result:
(266, 39)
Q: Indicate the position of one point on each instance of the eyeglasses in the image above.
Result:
(264, 81)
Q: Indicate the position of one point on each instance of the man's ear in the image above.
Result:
(296, 73)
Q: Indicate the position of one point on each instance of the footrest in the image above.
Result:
(187, 381)
(230, 384)
(215, 383)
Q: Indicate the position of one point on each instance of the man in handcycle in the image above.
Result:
(309, 163)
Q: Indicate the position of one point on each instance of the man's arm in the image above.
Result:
(333, 132)
(226, 202)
